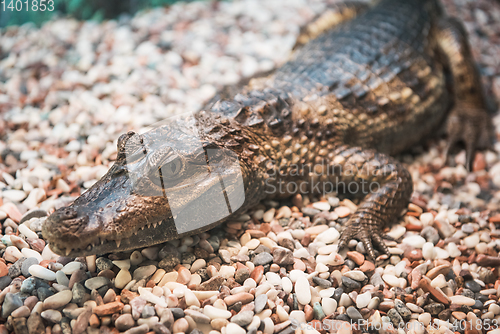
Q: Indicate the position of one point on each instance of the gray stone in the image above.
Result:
(214, 242)
(169, 249)
(15, 270)
(377, 281)
(124, 322)
(430, 234)
(434, 308)
(350, 284)
(169, 261)
(198, 317)
(486, 275)
(79, 293)
(282, 256)
(353, 313)
(5, 282)
(188, 258)
(103, 263)
(325, 284)
(96, 282)
(148, 311)
(19, 325)
(260, 303)
(262, 259)
(28, 285)
(243, 318)
(402, 309)
(43, 293)
(241, 275)
(35, 324)
(473, 286)
(144, 272)
(395, 317)
(318, 312)
(311, 212)
(26, 265)
(10, 303)
(142, 329)
(177, 312)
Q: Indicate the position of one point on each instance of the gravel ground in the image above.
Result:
(69, 89)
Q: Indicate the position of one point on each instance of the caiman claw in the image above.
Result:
(368, 233)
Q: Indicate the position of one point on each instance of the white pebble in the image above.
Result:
(273, 278)
(327, 293)
(71, 267)
(329, 305)
(41, 272)
(322, 206)
(345, 300)
(363, 300)
(462, 300)
(269, 215)
(428, 251)
(415, 241)
(300, 316)
(439, 281)
(397, 231)
(216, 313)
(295, 274)
(329, 236)
(392, 280)
(27, 252)
(227, 271)
(453, 250)
(425, 318)
(471, 241)
(427, 218)
(356, 275)
(302, 290)
(441, 253)
(14, 195)
(25, 230)
(191, 299)
(12, 254)
(286, 284)
(233, 328)
(122, 278)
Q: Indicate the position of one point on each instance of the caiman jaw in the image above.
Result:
(148, 234)
(109, 218)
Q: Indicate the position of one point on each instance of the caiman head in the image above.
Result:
(166, 183)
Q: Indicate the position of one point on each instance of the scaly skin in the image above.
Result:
(329, 118)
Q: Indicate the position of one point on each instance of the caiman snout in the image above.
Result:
(67, 213)
(66, 226)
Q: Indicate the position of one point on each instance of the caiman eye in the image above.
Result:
(171, 169)
(168, 173)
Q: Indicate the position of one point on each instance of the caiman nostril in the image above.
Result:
(68, 213)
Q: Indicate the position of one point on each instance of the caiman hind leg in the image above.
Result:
(387, 185)
(469, 121)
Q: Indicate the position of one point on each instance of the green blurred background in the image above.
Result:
(80, 9)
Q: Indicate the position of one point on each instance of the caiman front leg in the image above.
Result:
(387, 186)
(469, 121)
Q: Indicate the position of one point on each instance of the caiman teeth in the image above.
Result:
(68, 250)
(118, 242)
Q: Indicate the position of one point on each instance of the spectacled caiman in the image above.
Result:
(353, 93)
